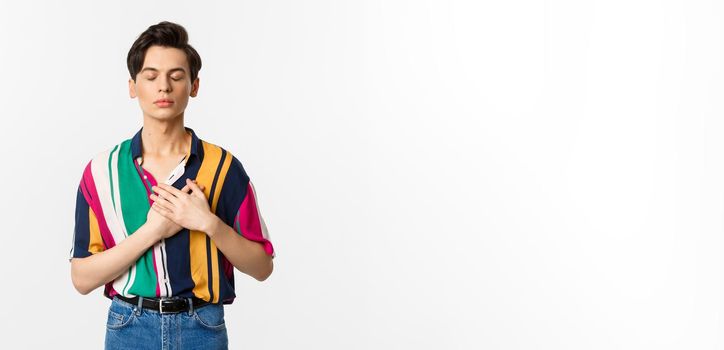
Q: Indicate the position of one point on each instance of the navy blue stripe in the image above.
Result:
(208, 268)
(216, 176)
(82, 227)
(84, 187)
(233, 192)
(178, 254)
(226, 285)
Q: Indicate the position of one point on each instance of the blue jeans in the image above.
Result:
(131, 327)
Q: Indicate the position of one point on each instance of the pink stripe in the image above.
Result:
(151, 179)
(249, 221)
(88, 188)
(140, 175)
(109, 289)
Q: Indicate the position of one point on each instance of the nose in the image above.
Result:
(165, 85)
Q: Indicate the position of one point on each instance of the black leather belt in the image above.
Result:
(166, 305)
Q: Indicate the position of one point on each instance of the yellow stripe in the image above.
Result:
(214, 250)
(96, 242)
(197, 239)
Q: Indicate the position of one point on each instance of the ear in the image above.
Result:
(195, 88)
(131, 88)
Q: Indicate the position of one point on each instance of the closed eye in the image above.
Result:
(174, 79)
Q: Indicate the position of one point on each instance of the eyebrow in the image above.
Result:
(156, 70)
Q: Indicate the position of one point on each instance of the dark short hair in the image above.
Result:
(166, 34)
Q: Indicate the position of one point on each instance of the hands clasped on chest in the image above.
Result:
(175, 209)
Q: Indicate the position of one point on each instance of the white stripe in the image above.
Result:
(159, 249)
(99, 168)
(123, 280)
(72, 246)
(159, 264)
(117, 191)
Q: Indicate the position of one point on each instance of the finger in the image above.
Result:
(161, 191)
(201, 186)
(163, 211)
(187, 189)
(161, 201)
(196, 189)
(165, 194)
(173, 190)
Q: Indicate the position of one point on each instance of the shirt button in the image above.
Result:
(145, 177)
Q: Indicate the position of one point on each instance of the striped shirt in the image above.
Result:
(113, 202)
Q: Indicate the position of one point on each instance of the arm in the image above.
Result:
(192, 211)
(98, 269)
(246, 255)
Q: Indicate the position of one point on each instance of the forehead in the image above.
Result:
(165, 58)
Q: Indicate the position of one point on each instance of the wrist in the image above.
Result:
(211, 225)
(153, 232)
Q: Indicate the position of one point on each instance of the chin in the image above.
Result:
(164, 116)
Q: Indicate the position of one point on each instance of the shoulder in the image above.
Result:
(233, 180)
(103, 155)
(94, 170)
(236, 168)
(100, 160)
(226, 160)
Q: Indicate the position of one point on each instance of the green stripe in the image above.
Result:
(134, 204)
(110, 176)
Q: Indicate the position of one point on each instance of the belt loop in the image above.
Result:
(140, 305)
(191, 306)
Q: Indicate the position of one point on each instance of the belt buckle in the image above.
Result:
(160, 305)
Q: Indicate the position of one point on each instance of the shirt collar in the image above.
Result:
(137, 150)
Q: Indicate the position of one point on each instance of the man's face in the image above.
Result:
(165, 75)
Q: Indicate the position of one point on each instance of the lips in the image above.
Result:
(163, 103)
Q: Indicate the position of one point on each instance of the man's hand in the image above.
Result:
(186, 210)
(163, 225)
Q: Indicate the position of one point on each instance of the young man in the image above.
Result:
(163, 218)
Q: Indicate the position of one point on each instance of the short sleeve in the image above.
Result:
(242, 210)
(86, 236)
(249, 223)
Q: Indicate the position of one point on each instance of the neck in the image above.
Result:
(161, 138)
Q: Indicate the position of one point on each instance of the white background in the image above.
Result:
(434, 174)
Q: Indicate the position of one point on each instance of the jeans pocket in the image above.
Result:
(211, 316)
(119, 315)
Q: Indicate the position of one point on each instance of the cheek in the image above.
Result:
(144, 91)
(183, 88)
